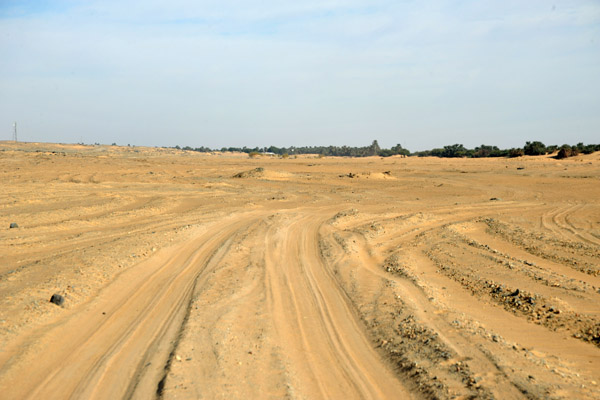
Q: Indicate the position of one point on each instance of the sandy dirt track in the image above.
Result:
(189, 275)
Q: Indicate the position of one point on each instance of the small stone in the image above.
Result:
(57, 299)
(14, 225)
(178, 357)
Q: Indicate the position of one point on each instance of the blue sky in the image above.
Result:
(235, 73)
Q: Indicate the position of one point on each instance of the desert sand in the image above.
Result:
(217, 276)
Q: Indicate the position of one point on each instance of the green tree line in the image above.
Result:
(534, 148)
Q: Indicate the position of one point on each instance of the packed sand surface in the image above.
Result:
(219, 276)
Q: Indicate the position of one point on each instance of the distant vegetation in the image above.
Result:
(534, 148)
(337, 151)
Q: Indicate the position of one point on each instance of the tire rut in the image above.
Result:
(330, 351)
(131, 324)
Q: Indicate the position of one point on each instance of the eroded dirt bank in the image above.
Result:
(218, 276)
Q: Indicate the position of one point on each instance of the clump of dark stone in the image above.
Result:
(14, 225)
(590, 333)
(57, 299)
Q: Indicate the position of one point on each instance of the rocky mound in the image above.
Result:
(254, 173)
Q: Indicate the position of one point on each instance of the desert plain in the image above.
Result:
(188, 275)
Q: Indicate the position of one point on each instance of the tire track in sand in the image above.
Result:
(329, 353)
(117, 345)
(558, 222)
(120, 344)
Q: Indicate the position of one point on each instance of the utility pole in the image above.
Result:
(15, 131)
